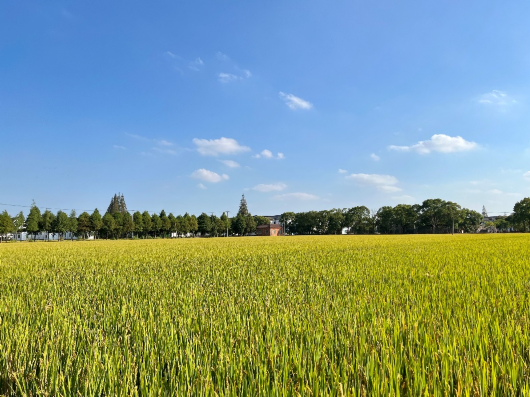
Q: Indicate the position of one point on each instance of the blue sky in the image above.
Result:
(297, 104)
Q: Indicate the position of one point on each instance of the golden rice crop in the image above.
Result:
(345, 315)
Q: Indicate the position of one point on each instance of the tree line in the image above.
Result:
(432, 216)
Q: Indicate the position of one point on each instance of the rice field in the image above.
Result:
(322, 315)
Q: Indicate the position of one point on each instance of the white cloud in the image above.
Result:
(389, 188)
(500, 192)
(375, 157)
(230, 163)
(496, 98)
(227, 77)
(230, 77)
(162, 145)
(196, 65)
(527, 175)
(341, 171)
(214, 147)
(438, 143)
(201, 186)
(384, 183)
(119, 147)
(296, 196)
(208, 176)
(163, 142)
(275, 187)
(295, 102)
(267, 154)
(171, 55)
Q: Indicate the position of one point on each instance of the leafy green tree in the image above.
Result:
(250, 225)
(96, 223)
(502, 224)
(261, 220)
(118, 224)
(357, 219)
(147, 222)
(193, 225)
(173, 224)
(83, 224)
(138, 222)
(521, 213)
(165, 223)
(385, 216)
(127, 224)
(335, 221)
(33, 220)
(182, 225)
(109, 224)
(204, 224)
(72, 224)
(219, 226)
(287, 219)
(6, 225)
(471, 221)
(225, 226)
(46, 223)
(61, 224)
(214, 226)
(404, 217)
(19, 222)
(239, 225)
(156, 224)
(433, 212)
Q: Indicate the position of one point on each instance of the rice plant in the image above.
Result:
(324, 315)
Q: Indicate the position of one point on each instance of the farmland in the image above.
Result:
(345, 315)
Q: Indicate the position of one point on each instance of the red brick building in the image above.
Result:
(269, 230)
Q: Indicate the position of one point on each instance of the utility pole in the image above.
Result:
(227, 223)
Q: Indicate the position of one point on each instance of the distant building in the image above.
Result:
(269, 230)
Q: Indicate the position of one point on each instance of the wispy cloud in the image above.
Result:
(162, 146)
(230, 163)
(438, 143)
(526, 175)
(230, 77)
(499, 192)
(375, 157)
(296, 196)
(201, 186)
(294, 102)
(196, 65)
(119, 147)
(497, 98)
(227, 77)
(267, 154)
(208, 176)
(215, 147)
(181, 64)
(341, 171)
(236, 74)
(384, 183)
(274, 187)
